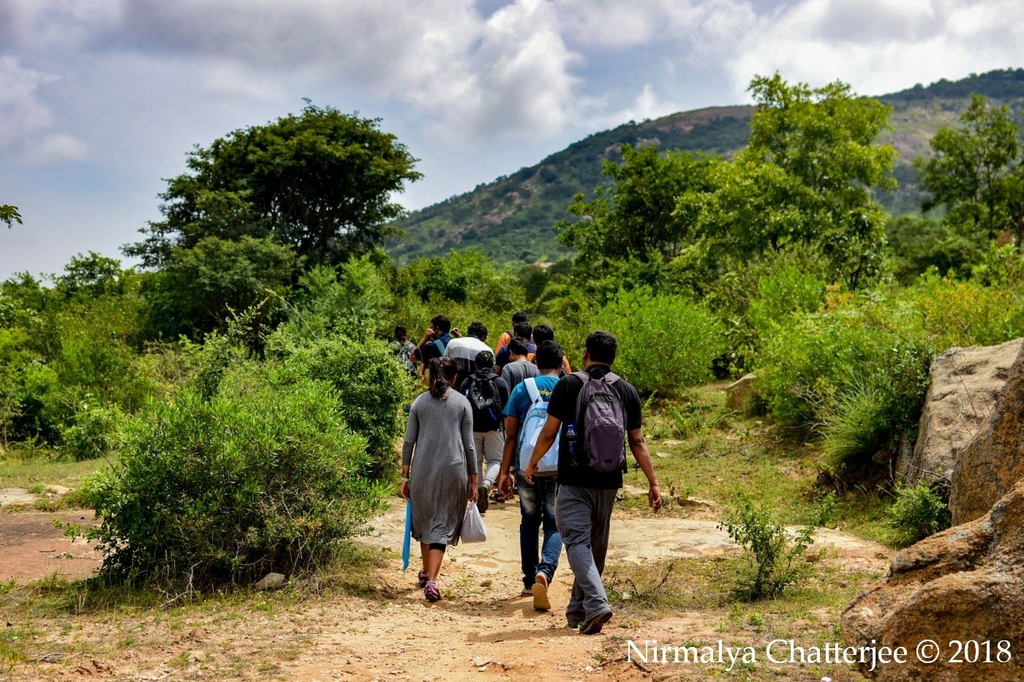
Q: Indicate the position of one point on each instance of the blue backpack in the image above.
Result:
(530, 431)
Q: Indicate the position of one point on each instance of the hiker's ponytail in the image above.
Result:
(442, 372)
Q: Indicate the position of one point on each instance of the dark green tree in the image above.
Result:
(977, 172)
(321, 182)
(201, 288)
(9, 214)
(807, 175)
(636, 217)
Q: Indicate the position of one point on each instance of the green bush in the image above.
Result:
(775, 560)
(92, 432)
(666, 343)
(263, 476)
(918, 512)
(370, 385)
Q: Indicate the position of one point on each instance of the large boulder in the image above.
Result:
(965, 584)
(993, 461)
(964, 384)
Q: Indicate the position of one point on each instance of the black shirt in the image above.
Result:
(563, 407)
(486, 423)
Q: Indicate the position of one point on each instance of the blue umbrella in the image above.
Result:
(408, 535)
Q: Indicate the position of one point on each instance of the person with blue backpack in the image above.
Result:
(525, 415)
(591, 416)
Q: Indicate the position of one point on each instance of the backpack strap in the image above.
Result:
(531, 388)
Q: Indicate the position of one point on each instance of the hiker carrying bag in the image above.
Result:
(530, 432)
(485, 401)
(600, 411)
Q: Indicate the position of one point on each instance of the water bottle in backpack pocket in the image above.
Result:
(530, 432)
(600, 411)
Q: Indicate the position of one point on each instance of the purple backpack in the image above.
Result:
(599, 409)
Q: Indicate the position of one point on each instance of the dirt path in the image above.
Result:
(481, 630)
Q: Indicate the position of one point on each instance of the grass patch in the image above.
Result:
(39, 473)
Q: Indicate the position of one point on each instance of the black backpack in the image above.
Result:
(485, 400)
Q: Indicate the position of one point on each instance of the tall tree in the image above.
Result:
(9, 214)
(807, 175)
(977, 172)
(636, 217)
(321, 182)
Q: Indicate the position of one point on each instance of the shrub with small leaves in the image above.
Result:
(775, 560)
(918, 512)
(265, 475)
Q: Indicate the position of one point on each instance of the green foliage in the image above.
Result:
(369, 382)
(918, 512)
(636, 217)
(775, 560)
(9, 214)
(92, 432)
(201, 287)
(351, 299)
(320, 182)
(666, 343)
(264, 476)
(977, 172)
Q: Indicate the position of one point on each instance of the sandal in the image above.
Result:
(423, 578)
(431, 592)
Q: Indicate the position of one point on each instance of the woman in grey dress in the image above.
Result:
(439, 468)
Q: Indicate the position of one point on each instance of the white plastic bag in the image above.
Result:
(473, 525)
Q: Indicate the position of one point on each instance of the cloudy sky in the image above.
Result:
(101, 99)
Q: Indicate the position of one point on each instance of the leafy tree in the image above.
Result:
(977, 173)
(201, 287)
(9, 214)
(321, 182)
(637, 217)
(806, 175)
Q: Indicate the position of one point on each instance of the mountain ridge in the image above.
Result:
(512, 218)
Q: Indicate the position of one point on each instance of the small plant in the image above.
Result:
(918, 512)
(776, 560)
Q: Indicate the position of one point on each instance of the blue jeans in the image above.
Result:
(537, 505)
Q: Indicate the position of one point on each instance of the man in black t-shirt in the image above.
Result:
(585, 497)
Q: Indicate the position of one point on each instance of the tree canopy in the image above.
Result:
(321, 182)
(977, 172)
(9, 214)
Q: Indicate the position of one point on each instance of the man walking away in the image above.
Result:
(401, 346)
(525, 416)
(520, 367)
(524, 332)
(465, 349)
(542, 333)
(434, 342)
(488, 395)
(506, 337)
(594, 412)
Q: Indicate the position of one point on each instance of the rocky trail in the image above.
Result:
(482, 629)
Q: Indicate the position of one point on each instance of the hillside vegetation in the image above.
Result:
(513, 218)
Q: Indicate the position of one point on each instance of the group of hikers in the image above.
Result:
(555, 437)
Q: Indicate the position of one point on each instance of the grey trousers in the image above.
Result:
(584, 516)
(491, 445)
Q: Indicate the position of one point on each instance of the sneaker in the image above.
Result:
(540, 593)
(431, 592)
(497, 495)
(594, 625)
(527, 592)
(481, 499)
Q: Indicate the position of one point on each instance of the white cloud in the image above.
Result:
(53, 148)
(25, 121)
(880, 46)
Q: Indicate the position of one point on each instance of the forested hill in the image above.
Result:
(513, 217)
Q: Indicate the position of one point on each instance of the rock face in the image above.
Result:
(993, 461)
(739, 394)
(964, 584)
(964, 384)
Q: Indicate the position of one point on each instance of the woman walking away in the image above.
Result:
(439, 468)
